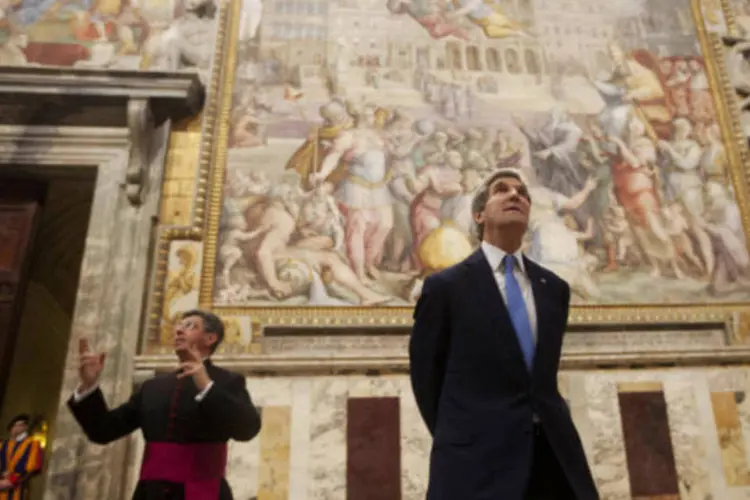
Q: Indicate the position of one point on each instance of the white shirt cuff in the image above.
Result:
(199, 397)
(79, 395)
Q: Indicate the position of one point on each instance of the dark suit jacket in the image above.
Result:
(165, 410)
(475, 393)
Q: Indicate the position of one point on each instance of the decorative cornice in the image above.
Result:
(140, 101)
(182, 90)
(61, 146)
(287, 365)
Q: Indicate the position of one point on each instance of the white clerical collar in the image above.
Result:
(495, 256)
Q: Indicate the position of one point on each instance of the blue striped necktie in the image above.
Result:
(519, 315)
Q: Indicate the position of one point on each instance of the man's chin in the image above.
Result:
(515, 219)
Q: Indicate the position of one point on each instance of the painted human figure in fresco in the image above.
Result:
(678, 84)
(554, 244)
(442, 19)
(723, 223)
(188, 41)
(554, 150)
(437, 181)
(181, 291)
(282, 244)
(635, 188)
(428, 14)
(684, 154)
(635, 86)
(688, 92)
(321, 224)
(88, 20)
(362, 194)
(489, 17)
(233, 237)
(686, 185)
(701, 101)
(505, 152)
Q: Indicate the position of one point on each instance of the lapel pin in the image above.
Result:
(543, 280)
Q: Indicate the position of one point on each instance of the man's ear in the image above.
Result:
(479, 217)
(211, 339)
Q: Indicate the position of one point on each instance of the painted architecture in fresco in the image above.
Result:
(741, 10)
(353, 154)
(117, 34)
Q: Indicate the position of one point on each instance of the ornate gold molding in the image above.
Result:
(193, 230)
(220, 143)
(729, 17)
(181, 167)
(213, 164)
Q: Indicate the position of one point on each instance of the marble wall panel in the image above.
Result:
(273, 476)
(604, 442)
(648, 441)
(317, 413)
(327, 471)
(731, 438)
(688, 443)
(723, 394)
(373, 448)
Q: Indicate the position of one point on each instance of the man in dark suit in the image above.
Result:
(485, 351)
(186, 416)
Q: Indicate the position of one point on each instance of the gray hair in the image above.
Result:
(483, 194)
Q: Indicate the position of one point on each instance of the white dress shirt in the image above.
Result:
(495, 256)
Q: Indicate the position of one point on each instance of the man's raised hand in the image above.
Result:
(191, 365)
(91, 364)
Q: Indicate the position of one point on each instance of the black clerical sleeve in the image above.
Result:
(228, 406)
(101, 424)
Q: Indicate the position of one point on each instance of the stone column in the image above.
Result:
(108, 310)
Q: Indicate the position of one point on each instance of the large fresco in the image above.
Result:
(741, 10)
(108, 34)
(360, 129)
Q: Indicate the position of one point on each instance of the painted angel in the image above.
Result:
(490, 18)
(430, 15)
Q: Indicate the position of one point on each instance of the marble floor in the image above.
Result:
(648, 434)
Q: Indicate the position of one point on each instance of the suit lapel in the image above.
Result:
(494, 312)
(541, 300)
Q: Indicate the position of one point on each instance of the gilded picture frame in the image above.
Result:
(209, 183)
